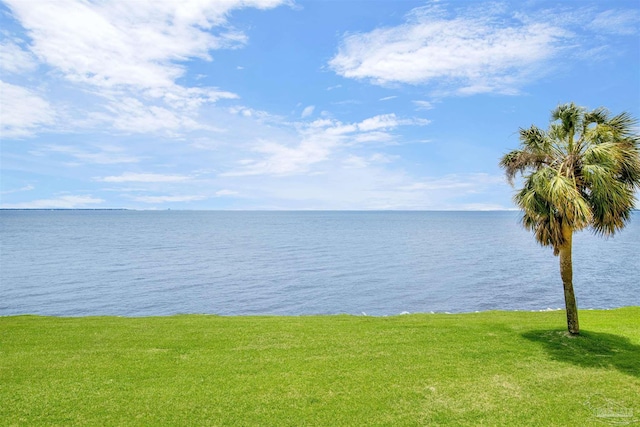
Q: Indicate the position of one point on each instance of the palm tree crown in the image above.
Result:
(583, 171)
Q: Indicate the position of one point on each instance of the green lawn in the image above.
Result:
(494, 368)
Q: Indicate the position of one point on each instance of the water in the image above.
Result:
(131, 263)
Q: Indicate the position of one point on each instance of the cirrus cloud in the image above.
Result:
(316, 142)
(128, 43)
(466, 53)
(144, 177)
(129, 54)
(14, 59)
(23, 111)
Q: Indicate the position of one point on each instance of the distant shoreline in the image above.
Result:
(64, 209)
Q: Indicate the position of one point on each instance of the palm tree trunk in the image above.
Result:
(566, 273)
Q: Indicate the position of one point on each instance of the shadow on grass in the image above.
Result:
(590, 349)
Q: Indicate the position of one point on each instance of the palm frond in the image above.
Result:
(547, 229)
(629, 161)
(605, 154)
(540, 214)
(612, 202)
(598, 116)
(570, 117)
(562, 194)
(623, 125)
(583, 171)
(558, 134)
(519, 161)
(620, 157)
(534, 139)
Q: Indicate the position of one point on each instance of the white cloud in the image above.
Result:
(371, 137)
(387, 98)
(623, 22)
(382, 158)
(307, 111)
(179, 196)
(222, 193)
(23, 111)
(455, 182)
(423, 105)
(483, 207)
(130, 114)
(253, 113)
(383, 121)
(14, 59)
(105, 155)
(62, 202)
(18, 190)
(144, 177)
(168, 199)
(128, 43)
(191, 98)
(129, 53)
(173, 117)
(353, 161)
(468, 53)
(361, 182)
(315, 142)
(282, 160)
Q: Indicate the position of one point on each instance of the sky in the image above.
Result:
(293, 104)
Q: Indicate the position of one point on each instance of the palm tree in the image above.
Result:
(582, 172)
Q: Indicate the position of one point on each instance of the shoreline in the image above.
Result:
(296, 316)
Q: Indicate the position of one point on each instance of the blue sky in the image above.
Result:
(270, 104)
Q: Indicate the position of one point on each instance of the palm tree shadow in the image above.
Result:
(590, 349)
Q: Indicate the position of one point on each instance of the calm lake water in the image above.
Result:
(140, 263)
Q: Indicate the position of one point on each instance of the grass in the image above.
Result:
(494, 368)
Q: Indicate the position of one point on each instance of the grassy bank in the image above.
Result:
(495, 368)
